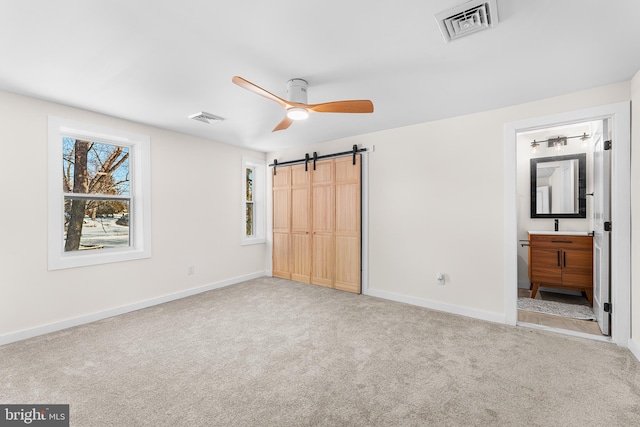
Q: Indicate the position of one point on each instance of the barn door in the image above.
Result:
(347, 225)
(316, 223)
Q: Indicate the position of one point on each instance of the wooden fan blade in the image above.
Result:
(285, 123)
(246, 84)
(353, 106)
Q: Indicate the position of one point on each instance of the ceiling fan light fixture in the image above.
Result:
(297, 107)
(297, 113)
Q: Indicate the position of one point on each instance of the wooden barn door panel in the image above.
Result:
(281, 250)
(281, 214)
(323, 260)
(347, 261)
(300, 224)
(301, 258)
(282, 201)
(281, 260)
(322, 220)
(323, 209)
(347, 228)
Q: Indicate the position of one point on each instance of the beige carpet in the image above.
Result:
(270, 352)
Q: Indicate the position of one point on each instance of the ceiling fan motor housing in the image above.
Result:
(297, 90)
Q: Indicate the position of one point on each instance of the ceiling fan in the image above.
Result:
(297, 107)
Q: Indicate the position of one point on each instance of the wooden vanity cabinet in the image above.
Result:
(561, 261)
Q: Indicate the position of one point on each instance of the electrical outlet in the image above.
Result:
(440, 278)
(191, 270)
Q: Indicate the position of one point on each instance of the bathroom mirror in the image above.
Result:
(558, 186)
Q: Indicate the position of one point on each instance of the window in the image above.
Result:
(99, 190)
(253, 201)
(250, 225)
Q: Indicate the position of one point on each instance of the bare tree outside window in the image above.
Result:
(249, 202)
(96, 186)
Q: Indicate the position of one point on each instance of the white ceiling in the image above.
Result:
(157, 62)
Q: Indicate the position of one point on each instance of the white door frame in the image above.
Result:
(620, 114)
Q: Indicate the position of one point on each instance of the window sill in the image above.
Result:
(80, 259)
(253, 241)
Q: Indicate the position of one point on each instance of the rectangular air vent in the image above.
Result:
(468, 18)
(206, 117)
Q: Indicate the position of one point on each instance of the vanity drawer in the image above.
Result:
(560, 241)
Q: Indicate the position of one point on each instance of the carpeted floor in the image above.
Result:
(270, 352)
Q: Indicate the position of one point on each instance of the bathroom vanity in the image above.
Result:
(562, 260)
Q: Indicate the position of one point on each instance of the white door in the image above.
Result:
(601, 237)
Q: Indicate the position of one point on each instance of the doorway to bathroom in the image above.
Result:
(564, 190)
(567, 225)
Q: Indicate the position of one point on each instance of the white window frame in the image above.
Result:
(259, 200)
(140, 193)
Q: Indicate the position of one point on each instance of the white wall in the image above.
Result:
(635, 216)
(436, 203)
(196, 220)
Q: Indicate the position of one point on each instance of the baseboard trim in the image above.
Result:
(634, 346)
(81, 320)
(448, 308)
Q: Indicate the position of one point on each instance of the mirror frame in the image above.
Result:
(582, 185)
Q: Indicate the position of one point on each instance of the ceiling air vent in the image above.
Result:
(468, 18)
(206, 117)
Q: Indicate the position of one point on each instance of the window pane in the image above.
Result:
(95, 224)
(249, 219)
(94, 167)
(249, 181)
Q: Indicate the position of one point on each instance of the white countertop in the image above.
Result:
(561, 233)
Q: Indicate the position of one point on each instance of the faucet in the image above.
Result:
(555, 224)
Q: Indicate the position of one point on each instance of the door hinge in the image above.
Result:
(607, 145)
(607, 226)
(607, 307)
